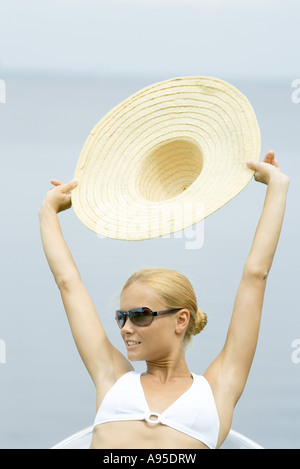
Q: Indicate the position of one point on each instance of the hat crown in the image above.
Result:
(169, 169)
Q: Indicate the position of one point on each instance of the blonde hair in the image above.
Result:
(176, 291)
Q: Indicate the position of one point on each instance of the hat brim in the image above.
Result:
(165, 158)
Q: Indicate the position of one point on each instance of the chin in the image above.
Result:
(134, 357)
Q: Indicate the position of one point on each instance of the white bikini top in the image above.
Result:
(193, 413)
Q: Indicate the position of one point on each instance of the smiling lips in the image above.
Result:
(132, 343)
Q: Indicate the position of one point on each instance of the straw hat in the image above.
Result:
(165, 158)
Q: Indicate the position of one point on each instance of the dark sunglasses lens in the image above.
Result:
(141, 317)
(120, 318)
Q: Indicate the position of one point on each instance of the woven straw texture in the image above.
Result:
(165, 158)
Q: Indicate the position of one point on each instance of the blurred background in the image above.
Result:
(63, 65)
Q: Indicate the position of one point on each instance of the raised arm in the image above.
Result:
(102, 360)
(229, 372)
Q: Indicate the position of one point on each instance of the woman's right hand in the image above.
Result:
(267, 170)
(58, 198)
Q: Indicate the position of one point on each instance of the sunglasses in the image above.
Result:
(140, 316)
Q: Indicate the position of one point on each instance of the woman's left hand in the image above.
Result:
(266, 170)
(58, 198)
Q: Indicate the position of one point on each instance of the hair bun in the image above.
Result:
(200, 322)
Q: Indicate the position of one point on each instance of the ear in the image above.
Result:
(182, 321)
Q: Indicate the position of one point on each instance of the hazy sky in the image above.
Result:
(249, 38)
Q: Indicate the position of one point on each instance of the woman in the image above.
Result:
(167, 406)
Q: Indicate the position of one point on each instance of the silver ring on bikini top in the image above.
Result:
(155, 414)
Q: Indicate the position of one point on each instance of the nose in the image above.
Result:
(128, 327)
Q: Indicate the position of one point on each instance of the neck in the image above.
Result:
(166, 369)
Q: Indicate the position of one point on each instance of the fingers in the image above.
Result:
(269, 158)
(69, 185)
(55, 182)
(64, 187)
(251, 165)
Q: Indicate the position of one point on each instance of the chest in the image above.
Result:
(160, 396)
